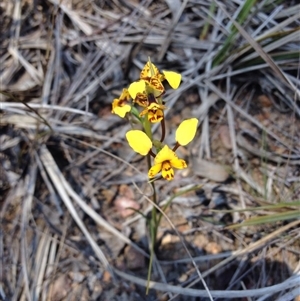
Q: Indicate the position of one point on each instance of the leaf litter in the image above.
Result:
(66, 231)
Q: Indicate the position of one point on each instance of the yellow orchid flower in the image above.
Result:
(149, 71)
(145, 91)
(139, 90)
(141, 99)
(186, 131)
(120, 105)
(153, 86)
(149, 102)
(155, 112)
(153, 78)
(164, 162)
(139, 142)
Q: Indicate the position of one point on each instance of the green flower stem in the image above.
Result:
(153, 225)
(163, 129)
(147, 128)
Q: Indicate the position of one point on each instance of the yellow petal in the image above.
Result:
(155, 112)
(155, 116)
(144, 112)
(137, 87)
(139, 142)
(156, 106)
(157, 86)
(121, 111)
(148, 71)
(115, 103)
(125, 95)
(154, 170)
(178, 163)
(173, 78)
(167, 171)
(165, 154)
(186, 131)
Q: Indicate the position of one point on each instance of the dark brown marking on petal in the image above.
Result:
(141, 99)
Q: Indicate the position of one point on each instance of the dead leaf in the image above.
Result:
(106, 278)
(124, 205)
(126, 191)
(134, 259)
(225, 136)
(61, 287)
(200, 241)
(169, 238)
(213, 248)
(210, 170)
(264, 101)
(108, 194)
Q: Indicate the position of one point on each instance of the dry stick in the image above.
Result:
(232, 133)
(74, 16)
(168, 36)
(107, 71)
(8, 105)
(259, 49)
(243, 113)
(58, 179)
(250, 248)
(292, 295)
(242, 142)
(30, 182)
(50, 268)
(56, 63)
(53, 195)
(16, 280)
(182, 241)
(293, 132)
(207, 102)
(117, 138)
(36, 76)
(56, 254)
(86, 208)
(27, 106)
(203, 94)
(242, 261)
(41, 264)
(101, 150)
(264, 256)
(16, 25)
(289, 283)
(204, 139)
